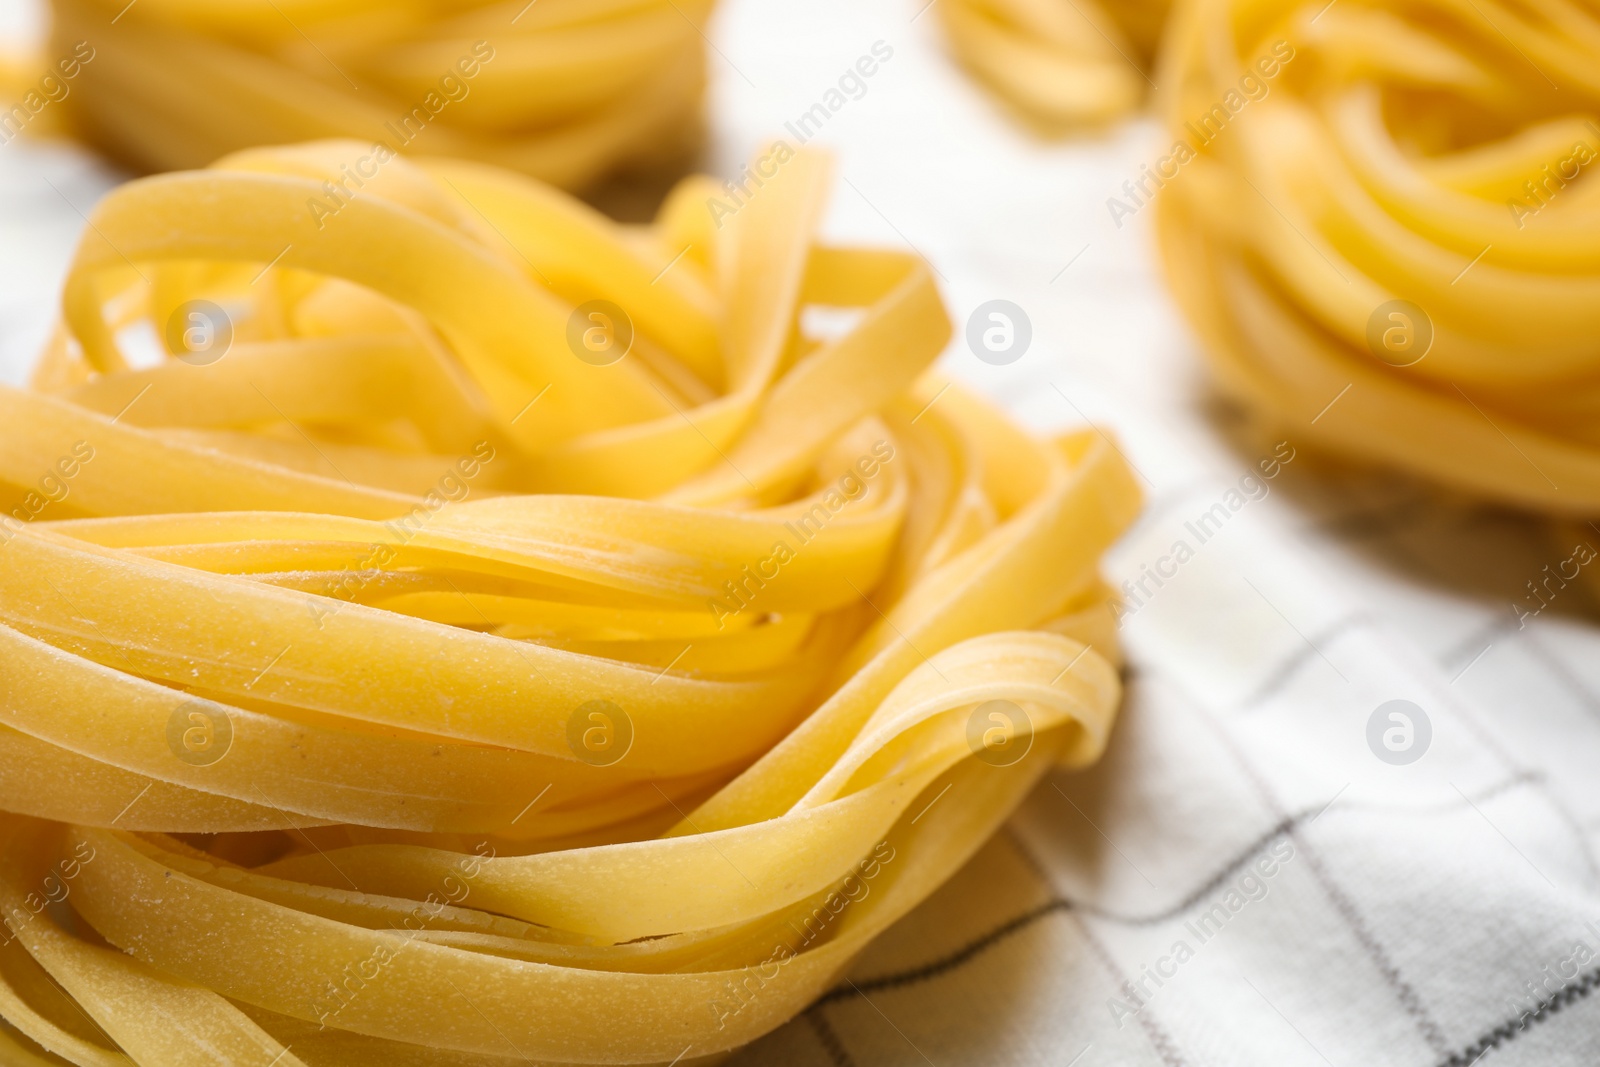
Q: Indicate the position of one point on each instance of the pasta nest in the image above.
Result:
(564, 90)
(1386, 234)
(1060, 64)
(441, 625)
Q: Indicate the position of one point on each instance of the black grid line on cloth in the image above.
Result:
(1405, 995)
(1059, 903)
(1301, 656)
(947, 963)
(1508, 1031)
(1553, 798)
(1474, 642)
(1159, 1039)
(1190, 899)
(1163, 1044)
(827, 1037)
(1575, 686)
(1562, 672)
(1291, 665)
(1310, 647)
(1056, 903)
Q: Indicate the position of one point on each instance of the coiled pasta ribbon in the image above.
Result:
(416, 683)
(1060, 63)
(1394, 248)
(564, 90)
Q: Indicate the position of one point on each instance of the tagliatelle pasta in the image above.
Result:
(564, 90)
(1061, 63)
(488, 633)
(1394, 245)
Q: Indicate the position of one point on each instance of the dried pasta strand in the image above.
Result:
(399, 683)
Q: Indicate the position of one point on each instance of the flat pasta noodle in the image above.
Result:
(1061, 64)
(1386, 234)
(568, 91)
(488, 633)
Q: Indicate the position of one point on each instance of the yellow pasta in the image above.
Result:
(487, 633)
(1060, 63)
(1382, 222)
(564, 90)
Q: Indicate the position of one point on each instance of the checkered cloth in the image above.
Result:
(1249, 877)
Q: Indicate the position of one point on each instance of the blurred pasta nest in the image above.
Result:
(564, 90)
(1392, 241)
(441, 625)
(1060, 63)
